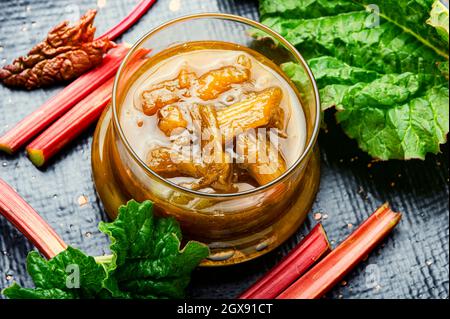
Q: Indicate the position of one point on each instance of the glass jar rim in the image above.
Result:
(230, 17)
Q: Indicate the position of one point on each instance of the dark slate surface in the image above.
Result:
(412, 262)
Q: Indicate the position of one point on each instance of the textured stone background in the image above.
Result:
(412, 262)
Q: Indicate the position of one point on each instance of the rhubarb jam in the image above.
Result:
(175, 135)
(235, 95)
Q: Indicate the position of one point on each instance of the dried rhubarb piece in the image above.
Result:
(66, 53)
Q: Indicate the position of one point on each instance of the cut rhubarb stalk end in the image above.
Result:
(76, 120)
(136, 13)
(36, 157)
(70, 125)
(5, 148)
(28, 222)
(313, 247)
(55, 107)
(332, 268)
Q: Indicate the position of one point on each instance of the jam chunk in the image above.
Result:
(262, 159)
(260, 110)
(216, 82)
(171, 118)
(167, 92)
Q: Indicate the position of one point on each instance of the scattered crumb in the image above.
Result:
(324, 216)
(317, 216)
(343, 283)
(174, 5)
(341, 161)
(349, 226)
(82, 200)
(392, 184)
(429, 262)
(140, 123)
(9, 277)
(369, 165)
(101, 3)
(88, 234)
(229, 98)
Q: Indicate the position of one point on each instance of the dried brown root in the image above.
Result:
(66, 53)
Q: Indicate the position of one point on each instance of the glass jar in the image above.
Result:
(236, 226)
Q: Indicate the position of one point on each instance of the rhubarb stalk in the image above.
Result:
(28, 222)
(313, 247)
(331, 269)
(138, 11)
(77, 119)
(70, 125)
(54, 108)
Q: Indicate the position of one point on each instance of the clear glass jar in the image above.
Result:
(236, 226)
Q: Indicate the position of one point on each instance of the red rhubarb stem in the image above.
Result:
(138, 11)
(313, 247)
(54, 108)
(28, 222)
(77, 119)
(70, 125)
(331, 269)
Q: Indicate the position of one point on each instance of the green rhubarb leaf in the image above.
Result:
(379, 63)
(391, 120)
(305, 8)
(70, 274)
(17, 292)
(439, 20)
(148, 260)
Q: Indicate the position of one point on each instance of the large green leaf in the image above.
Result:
(439, 20)
(71, 274)
(362, 53)
(146, 262)
(149, 262)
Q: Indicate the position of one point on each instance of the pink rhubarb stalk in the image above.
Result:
(313, 247)
(136, 13)
(28, 222)
(333, 267)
